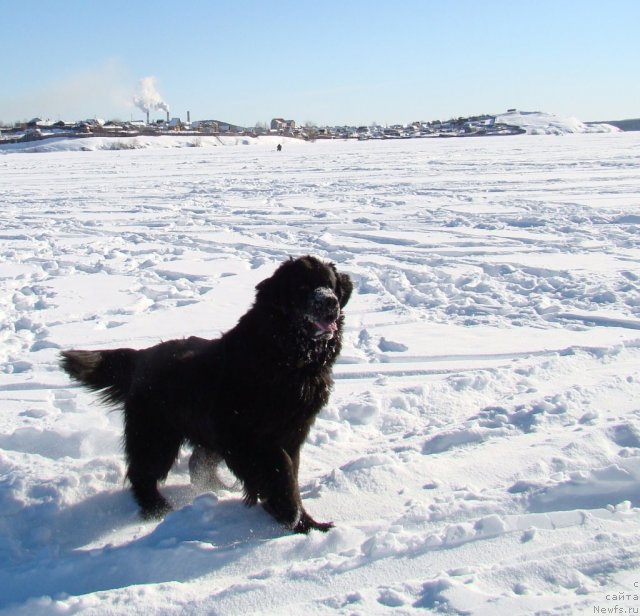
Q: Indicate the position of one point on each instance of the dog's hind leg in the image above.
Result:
(150, 452)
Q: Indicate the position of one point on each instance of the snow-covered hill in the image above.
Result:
(481, 450)
(540, 123)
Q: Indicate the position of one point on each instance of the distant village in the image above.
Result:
(38, 129)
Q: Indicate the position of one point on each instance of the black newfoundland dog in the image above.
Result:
(248, 398)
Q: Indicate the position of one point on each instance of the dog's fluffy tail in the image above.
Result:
(108, 372)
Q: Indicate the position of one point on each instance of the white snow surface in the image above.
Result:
(481, 450)
(141, 142)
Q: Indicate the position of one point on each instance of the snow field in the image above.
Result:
(481, 450)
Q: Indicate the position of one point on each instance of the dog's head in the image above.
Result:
(310, 292)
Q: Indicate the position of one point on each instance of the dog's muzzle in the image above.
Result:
(323, 313)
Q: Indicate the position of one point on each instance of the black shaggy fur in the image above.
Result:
(248, 398)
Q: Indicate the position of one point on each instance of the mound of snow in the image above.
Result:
(540, 123)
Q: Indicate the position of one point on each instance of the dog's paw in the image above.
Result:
(157, 511)
(307, 524)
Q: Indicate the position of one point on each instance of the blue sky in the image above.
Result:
(322, 61)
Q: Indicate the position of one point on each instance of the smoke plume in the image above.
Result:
(147, 97)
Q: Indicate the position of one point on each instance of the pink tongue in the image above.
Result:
(326, 327)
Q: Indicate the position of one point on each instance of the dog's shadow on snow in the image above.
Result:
(202, 535)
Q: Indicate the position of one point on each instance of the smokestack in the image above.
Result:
(147, 116)
(189, 117)
(167, 116)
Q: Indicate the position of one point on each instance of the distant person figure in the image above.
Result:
(279, 148)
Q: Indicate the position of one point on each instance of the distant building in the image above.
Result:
(280, 124)
(39, 123)
(207, 126)
(216, 126)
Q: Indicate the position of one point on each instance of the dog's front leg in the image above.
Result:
(270, 475)
(306, 522)
(278, 489)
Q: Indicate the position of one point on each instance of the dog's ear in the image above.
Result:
(268, 291)
(275, 290)
(344, 288)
